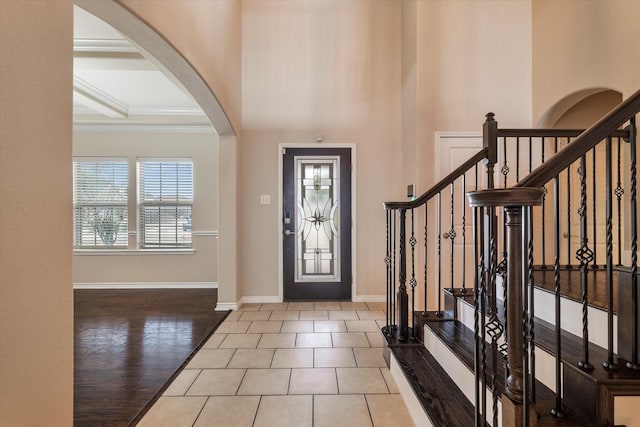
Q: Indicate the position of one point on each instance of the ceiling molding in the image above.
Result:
(142, 128)
(103, 46)
(166, 111)
(98, 100)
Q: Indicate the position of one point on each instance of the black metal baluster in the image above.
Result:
(403, 298)
(494, 327)
(619, 193)
(452, 236)
(594, 244)
(517, 159)
(426, 290)
(557, 410)
(478, 231)
(544, 212)
(633, 363)
(505, 167)
(395, 252)
(531, 331)
(464, 237)
(609, 363)
(413, 282)
(502, 266)
(584, 255)
(387, 261)
(569, 265)
(439, 311)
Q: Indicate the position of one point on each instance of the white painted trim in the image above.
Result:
(100, 101)
(147, 285)
(205, 233)
(370, 298)
(354, 269)
(414, 407)
(142, 128)
(440, 144)
(127, 252)
(265, 299)
(166, 111)
(226, 306)
(103, 46)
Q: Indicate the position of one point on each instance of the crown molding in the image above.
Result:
(142, 128)
(98, 100)
(103, 46)
(166, 111)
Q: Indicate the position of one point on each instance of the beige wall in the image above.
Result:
(580, 45)
(312, 68)
(36, 296)
(141, 267)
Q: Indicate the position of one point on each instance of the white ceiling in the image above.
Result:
(113, 83)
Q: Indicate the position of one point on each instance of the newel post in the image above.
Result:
(516, 409)
(490, 142)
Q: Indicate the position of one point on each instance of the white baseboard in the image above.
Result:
(266, 299)
(226, 306)
(370, 298)
(147, 285)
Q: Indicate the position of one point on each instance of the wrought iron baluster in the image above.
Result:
(426, 289)
(403, 297)
(478, 231)
(584, 255)
(530, 283)
(395, 252)
(413, 282)
(452, 237)
(544, 212)
(557, 410)
(609, 363)
(494, 327)
(517, 159)
(387, 261)
(569, 265)
(439, 311)
(594, 244)
(619, 192)
(464, 237)
(633, 363)
(505, 167)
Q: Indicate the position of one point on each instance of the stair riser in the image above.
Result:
(414, 407)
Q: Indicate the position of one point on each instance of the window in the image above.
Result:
(165, 199)
(100, 214)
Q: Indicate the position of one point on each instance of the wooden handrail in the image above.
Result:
(441, 185)
(550, 133)
(583, 143)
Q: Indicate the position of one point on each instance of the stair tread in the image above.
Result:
(445, 404)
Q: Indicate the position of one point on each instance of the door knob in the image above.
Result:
(288, 232)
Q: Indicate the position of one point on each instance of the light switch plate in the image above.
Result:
(265, 199)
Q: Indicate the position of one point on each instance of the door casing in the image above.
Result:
(280, 227)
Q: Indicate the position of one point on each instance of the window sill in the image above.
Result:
(127, 252)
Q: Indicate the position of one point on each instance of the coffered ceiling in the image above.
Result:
(114, 84)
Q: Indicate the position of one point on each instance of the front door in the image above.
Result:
(316, 223)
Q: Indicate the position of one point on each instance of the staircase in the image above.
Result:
(512, 284)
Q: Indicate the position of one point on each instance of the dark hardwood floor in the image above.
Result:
(129, 343)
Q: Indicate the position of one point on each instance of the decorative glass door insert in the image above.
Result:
(317, 244)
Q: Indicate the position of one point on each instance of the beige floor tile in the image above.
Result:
(285, 315)
(277, 341)
(388, 410)
(216, 382)
(214, 341)
(285, 411)
(391, 383)
(211, 358)
(313, 340)
(173, 412)
(377, 306)
(228, 327)
(297, 326)
(350, 339)
(265, 382)
(343, 315)
(234, 316)
(240, 341)
(314, 315)
(275, 306)
(375, 339)
(313, 381)
(250, 316)
(250, 306)
(300, 306)
(334, 358)
(362, 326)
(341, 411)
(327, 306)
(371, 315)
(381, 323)
(360, 380)
(181, 384)
(369, 358)
(293, 358)
(266, 326)
(354, 306)
(251, 358)
(229, 411)
(329, 326)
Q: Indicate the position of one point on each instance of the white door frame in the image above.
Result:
(280, 228)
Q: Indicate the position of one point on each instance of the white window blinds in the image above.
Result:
(100, 216)
(165, 199)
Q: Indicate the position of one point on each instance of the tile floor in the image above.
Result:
(291, 364)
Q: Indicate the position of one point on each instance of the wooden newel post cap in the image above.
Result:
(517, 196)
